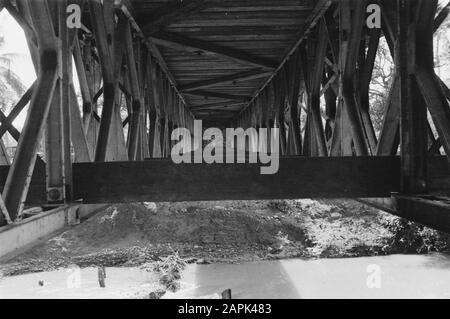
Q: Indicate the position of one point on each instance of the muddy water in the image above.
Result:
(395, 276)
(79, 284)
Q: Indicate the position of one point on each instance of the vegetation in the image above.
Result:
(382, 78)
(411, 238)
(11, 86)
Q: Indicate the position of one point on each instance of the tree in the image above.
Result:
(11, 86)
(382, 77)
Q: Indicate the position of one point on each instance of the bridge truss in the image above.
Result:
(147, 67)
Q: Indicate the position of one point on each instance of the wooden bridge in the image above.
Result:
(146, 67)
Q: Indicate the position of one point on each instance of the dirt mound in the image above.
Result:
(194, 223)
(133, 234)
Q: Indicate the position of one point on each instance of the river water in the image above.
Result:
(396, 276)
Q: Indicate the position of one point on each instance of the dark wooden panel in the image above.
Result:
(439, 176)
(430, 211)
(37, 190)
(162, 180)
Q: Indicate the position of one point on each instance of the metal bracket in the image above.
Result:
(55, 194)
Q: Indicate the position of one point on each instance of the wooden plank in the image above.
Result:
(298, 177)
(180, 42)
(227, 79)
(170, 12)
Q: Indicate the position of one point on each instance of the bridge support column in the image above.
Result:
(19, 176)
(415, 43)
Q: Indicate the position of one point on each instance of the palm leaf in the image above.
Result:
(8, 76)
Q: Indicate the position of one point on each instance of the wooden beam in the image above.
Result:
(111, 62)
(180, 42)
(314, 89)
(298, 177)
(233, 78)
(218, 95)
(11, 129)
(349, 64)
(79, 140)
(84, 84)
(6, 123)
(443, 14)
(439, 179)
(137, 99)
(213, 106)
(437, 104)
(292, 83)
(19, 176)
(415, 51)
(390, 133)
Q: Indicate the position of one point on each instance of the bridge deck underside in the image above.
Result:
(221, 52)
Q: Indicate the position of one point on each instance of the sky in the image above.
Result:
(15, 42)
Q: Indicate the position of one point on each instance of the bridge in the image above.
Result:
(147, 67)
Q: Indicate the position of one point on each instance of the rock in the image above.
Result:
(190, 260)
(150, 206)
(274, 250)
(202, 261)
(156, 294)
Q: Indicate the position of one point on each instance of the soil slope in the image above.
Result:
(133, 234)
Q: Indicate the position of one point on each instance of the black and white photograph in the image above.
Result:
(249, 151)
